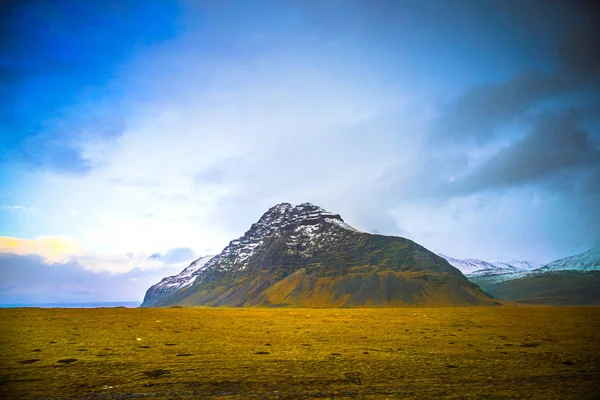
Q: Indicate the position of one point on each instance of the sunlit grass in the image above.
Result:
(501, 352)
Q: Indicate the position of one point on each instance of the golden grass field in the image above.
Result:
(478, 352)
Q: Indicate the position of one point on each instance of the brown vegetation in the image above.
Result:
(476, 352)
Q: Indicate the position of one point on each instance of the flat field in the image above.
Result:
(479, 353)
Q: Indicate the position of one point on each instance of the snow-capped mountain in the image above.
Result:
(569, 281)
(235, 256)
(173, 283)
(305, 256)
(304, 220)
(586, 261)
(479, 267)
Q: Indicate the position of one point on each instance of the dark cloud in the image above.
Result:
(580, 55)
(31, 279)
(559, 153)
(544, 122)
(477, 114)
(556, 145)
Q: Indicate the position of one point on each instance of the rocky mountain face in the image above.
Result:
(304, 256)
(173, 283)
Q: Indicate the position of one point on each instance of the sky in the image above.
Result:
(138, 135)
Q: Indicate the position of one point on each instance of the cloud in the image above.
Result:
(540, 179)
(33, 279)
(173, 256)
(500, 141)
(18, 208)
(391, 114)
(145, 183)
(542, 225)
(57, 269)
(556, 146)
(579, 51)
(478, 113)
(56, 157)
(213, 175)
(54, 249)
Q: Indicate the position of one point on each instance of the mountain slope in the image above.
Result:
(173, 283)
(305, 256)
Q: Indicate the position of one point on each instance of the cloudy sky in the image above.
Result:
(138, 135)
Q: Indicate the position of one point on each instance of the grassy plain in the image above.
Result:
(478, 352)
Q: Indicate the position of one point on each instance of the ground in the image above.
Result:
(478, 352)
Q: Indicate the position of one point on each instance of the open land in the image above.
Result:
(477, 352)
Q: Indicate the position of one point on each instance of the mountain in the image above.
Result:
(587, 261)
(304, 256)
(173, 283)
(572, 280)
(566, 287)
(478, 267)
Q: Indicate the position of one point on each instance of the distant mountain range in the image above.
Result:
(573, 280)
(304, 256)
(479, 267)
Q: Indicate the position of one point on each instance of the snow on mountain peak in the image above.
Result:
(301, 223)
(285, 214)
(586, 261)
(479, 267)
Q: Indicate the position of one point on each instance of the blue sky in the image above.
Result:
(132, 128)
